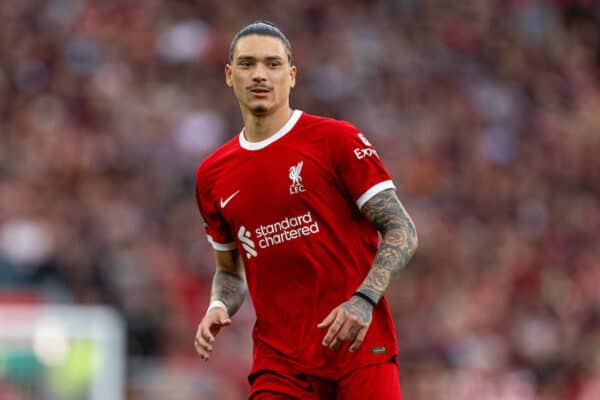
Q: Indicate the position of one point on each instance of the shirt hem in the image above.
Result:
(286, 367)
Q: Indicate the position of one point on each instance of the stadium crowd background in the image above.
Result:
(487, 114)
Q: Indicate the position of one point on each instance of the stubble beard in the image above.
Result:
(259, 110)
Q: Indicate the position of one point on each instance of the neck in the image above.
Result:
(261, 127)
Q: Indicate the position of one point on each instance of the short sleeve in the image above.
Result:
(357, 164)
(217, 230)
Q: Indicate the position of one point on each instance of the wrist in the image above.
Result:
(365, 298)
(217, 304)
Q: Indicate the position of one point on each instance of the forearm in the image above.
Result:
(350, 321)
(399, 242)
(229, 288)
(394, 253)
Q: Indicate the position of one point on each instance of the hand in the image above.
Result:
(208, 328)
(349, 321)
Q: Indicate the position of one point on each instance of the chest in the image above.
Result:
(269, 185)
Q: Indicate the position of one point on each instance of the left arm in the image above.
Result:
(399, 242)
(350, 321)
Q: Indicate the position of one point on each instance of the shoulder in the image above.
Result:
(326, 123)
(330, 129)
(216, 161)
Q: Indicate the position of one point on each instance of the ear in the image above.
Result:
(228, 79)
(293, 71)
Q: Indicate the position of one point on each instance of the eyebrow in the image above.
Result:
(252, 58)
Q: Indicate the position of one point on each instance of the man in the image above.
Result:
(293, 205)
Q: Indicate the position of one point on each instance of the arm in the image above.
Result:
(351, 320)
(399, 242)
(227, 295)
(229, 281)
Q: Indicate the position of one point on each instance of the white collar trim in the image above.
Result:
(245, 144)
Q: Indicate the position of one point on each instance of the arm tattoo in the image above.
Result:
(399, 242)
(230, 288)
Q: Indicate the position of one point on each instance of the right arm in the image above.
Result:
(229, 281)
(227, 295)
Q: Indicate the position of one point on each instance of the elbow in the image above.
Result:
(414, 244)
(415, 240)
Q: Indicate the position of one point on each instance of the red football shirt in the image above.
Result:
(291, 205)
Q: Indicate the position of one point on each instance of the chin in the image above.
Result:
(259, 109)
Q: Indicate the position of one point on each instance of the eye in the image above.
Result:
(274, 64)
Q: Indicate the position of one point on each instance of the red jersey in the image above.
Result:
(291, 205)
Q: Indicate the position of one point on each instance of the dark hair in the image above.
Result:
(263, 28)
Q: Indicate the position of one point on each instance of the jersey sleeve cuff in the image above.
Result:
(372, 191)
(220, 246)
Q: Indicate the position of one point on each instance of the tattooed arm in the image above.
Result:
(351, 320)
(229, 282)
(227, 295)
(399, 242)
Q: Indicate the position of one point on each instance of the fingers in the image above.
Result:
(206, 332)
(337, 342)
(347, 333)
(202, 349)
(219, 316)
(224, 321)
(360, 338)
(328, 319)
(343, 328)
(333, 330)
(203, 343)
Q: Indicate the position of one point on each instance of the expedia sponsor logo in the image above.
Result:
(364, 139)
(365, 152)
(265, 236)
(362, 153)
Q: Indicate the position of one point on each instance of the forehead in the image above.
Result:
(259, 46)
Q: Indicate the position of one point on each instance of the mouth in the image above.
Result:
(260, 91)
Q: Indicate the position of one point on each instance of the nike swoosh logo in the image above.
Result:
(227, 200)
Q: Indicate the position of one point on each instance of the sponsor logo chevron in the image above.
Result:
(247, 243)
(289, 228)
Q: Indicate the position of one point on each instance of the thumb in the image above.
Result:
(224, 320)
(328, 319)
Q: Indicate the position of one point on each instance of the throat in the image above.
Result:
(258, 128)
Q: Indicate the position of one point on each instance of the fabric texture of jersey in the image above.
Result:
(291, 206)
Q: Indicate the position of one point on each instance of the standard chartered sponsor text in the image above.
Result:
(289, 228)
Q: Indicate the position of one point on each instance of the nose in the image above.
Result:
(259, 74)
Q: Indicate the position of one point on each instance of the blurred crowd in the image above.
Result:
(486, 112)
